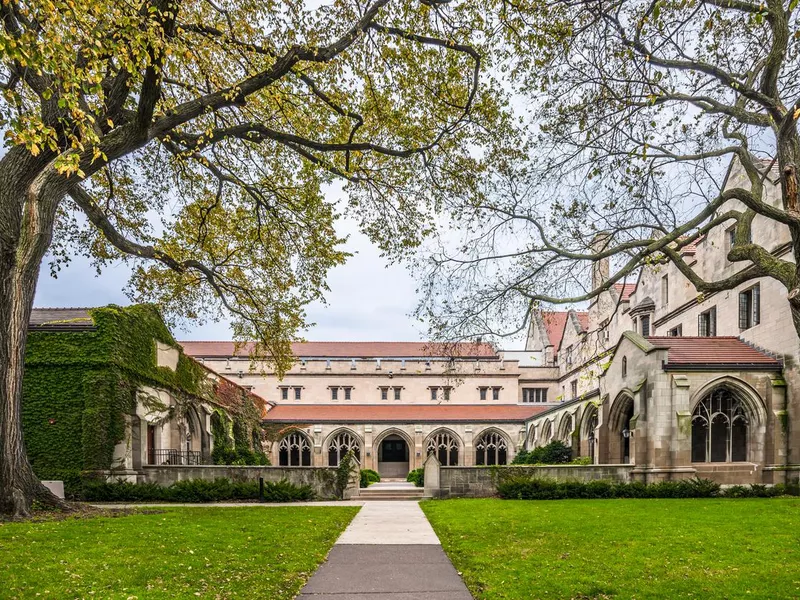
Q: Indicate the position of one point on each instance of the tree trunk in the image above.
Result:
(23, 244)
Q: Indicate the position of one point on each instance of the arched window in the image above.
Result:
(340, 445)
(491, 449)
(624, 366)
(719, 428)
(294, 450)
(445, 447)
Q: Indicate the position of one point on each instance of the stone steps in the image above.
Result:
(391, 491)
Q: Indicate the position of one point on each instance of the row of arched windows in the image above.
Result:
(719, 429)
(491, 448)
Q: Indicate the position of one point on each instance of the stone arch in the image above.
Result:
(588, 432)
(394, 460)
(566, 427)
(547, 432)
(530, 438)
(620, 429)
(739, 388)
(294, 449)
(492, 447)
(728, 422)
(447, 445)
(338, 443)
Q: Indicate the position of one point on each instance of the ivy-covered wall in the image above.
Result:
(79, 384)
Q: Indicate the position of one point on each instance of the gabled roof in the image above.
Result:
(400, 413)
(624, 290)
(579, 320)
(350, 350)
(554, 325)
(583, 320)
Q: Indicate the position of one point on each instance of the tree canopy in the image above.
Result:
(635, 110)
(200, 136)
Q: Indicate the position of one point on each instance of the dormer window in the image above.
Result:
(644, 323)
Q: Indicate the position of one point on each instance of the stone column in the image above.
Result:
(469, 451)
(681, 438)
(603, 432)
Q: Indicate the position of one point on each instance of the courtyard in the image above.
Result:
(671, 548)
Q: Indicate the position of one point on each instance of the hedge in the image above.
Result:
(540, 488)
(417, 477)
(195, 490)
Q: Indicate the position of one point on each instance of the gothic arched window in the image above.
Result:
(294, 450)
(445, 447)
(491, 449)
(340, 445)
(591, 436)
(719, 428)
(624, 366)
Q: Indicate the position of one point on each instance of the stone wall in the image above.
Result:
(479, 482)
(321, 479)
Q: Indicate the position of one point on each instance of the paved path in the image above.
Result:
(388, 551)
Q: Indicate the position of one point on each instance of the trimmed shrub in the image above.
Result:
(417, 477)
(554, 453)
(368, 477)
(195, 490)
(523, 487)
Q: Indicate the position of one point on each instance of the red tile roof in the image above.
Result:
(625, 289)
(554, 325)
(352, 349)
(400, 413)
(713, 351)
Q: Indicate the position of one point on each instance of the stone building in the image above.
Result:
(676, 383)
(651, 374)
(392, 403)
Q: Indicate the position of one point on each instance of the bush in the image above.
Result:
(554, 453)
(368, 477)
(523, 487)
(225, 455)
(194, 490)
(417, 477)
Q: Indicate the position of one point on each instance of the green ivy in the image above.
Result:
(79, 385)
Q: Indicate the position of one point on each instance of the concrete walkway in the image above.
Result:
(388, 551)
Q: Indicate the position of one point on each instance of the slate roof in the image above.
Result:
(714, 352)
(68, 318)
(400, 413)
(351, 350)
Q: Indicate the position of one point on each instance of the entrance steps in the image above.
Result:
(391, 490)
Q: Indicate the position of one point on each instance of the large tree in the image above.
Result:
(195, 138)
(636, 108)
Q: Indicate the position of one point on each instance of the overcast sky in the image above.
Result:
(369, 300)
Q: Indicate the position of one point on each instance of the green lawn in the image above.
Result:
(717, 548)
(181, 553)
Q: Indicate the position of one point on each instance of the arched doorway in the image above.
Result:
(393, 456)
(621, 445)
(590, 433)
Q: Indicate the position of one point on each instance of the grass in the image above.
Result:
(716, 548)
(178, 553)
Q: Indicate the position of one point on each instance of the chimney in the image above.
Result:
(600, 268)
